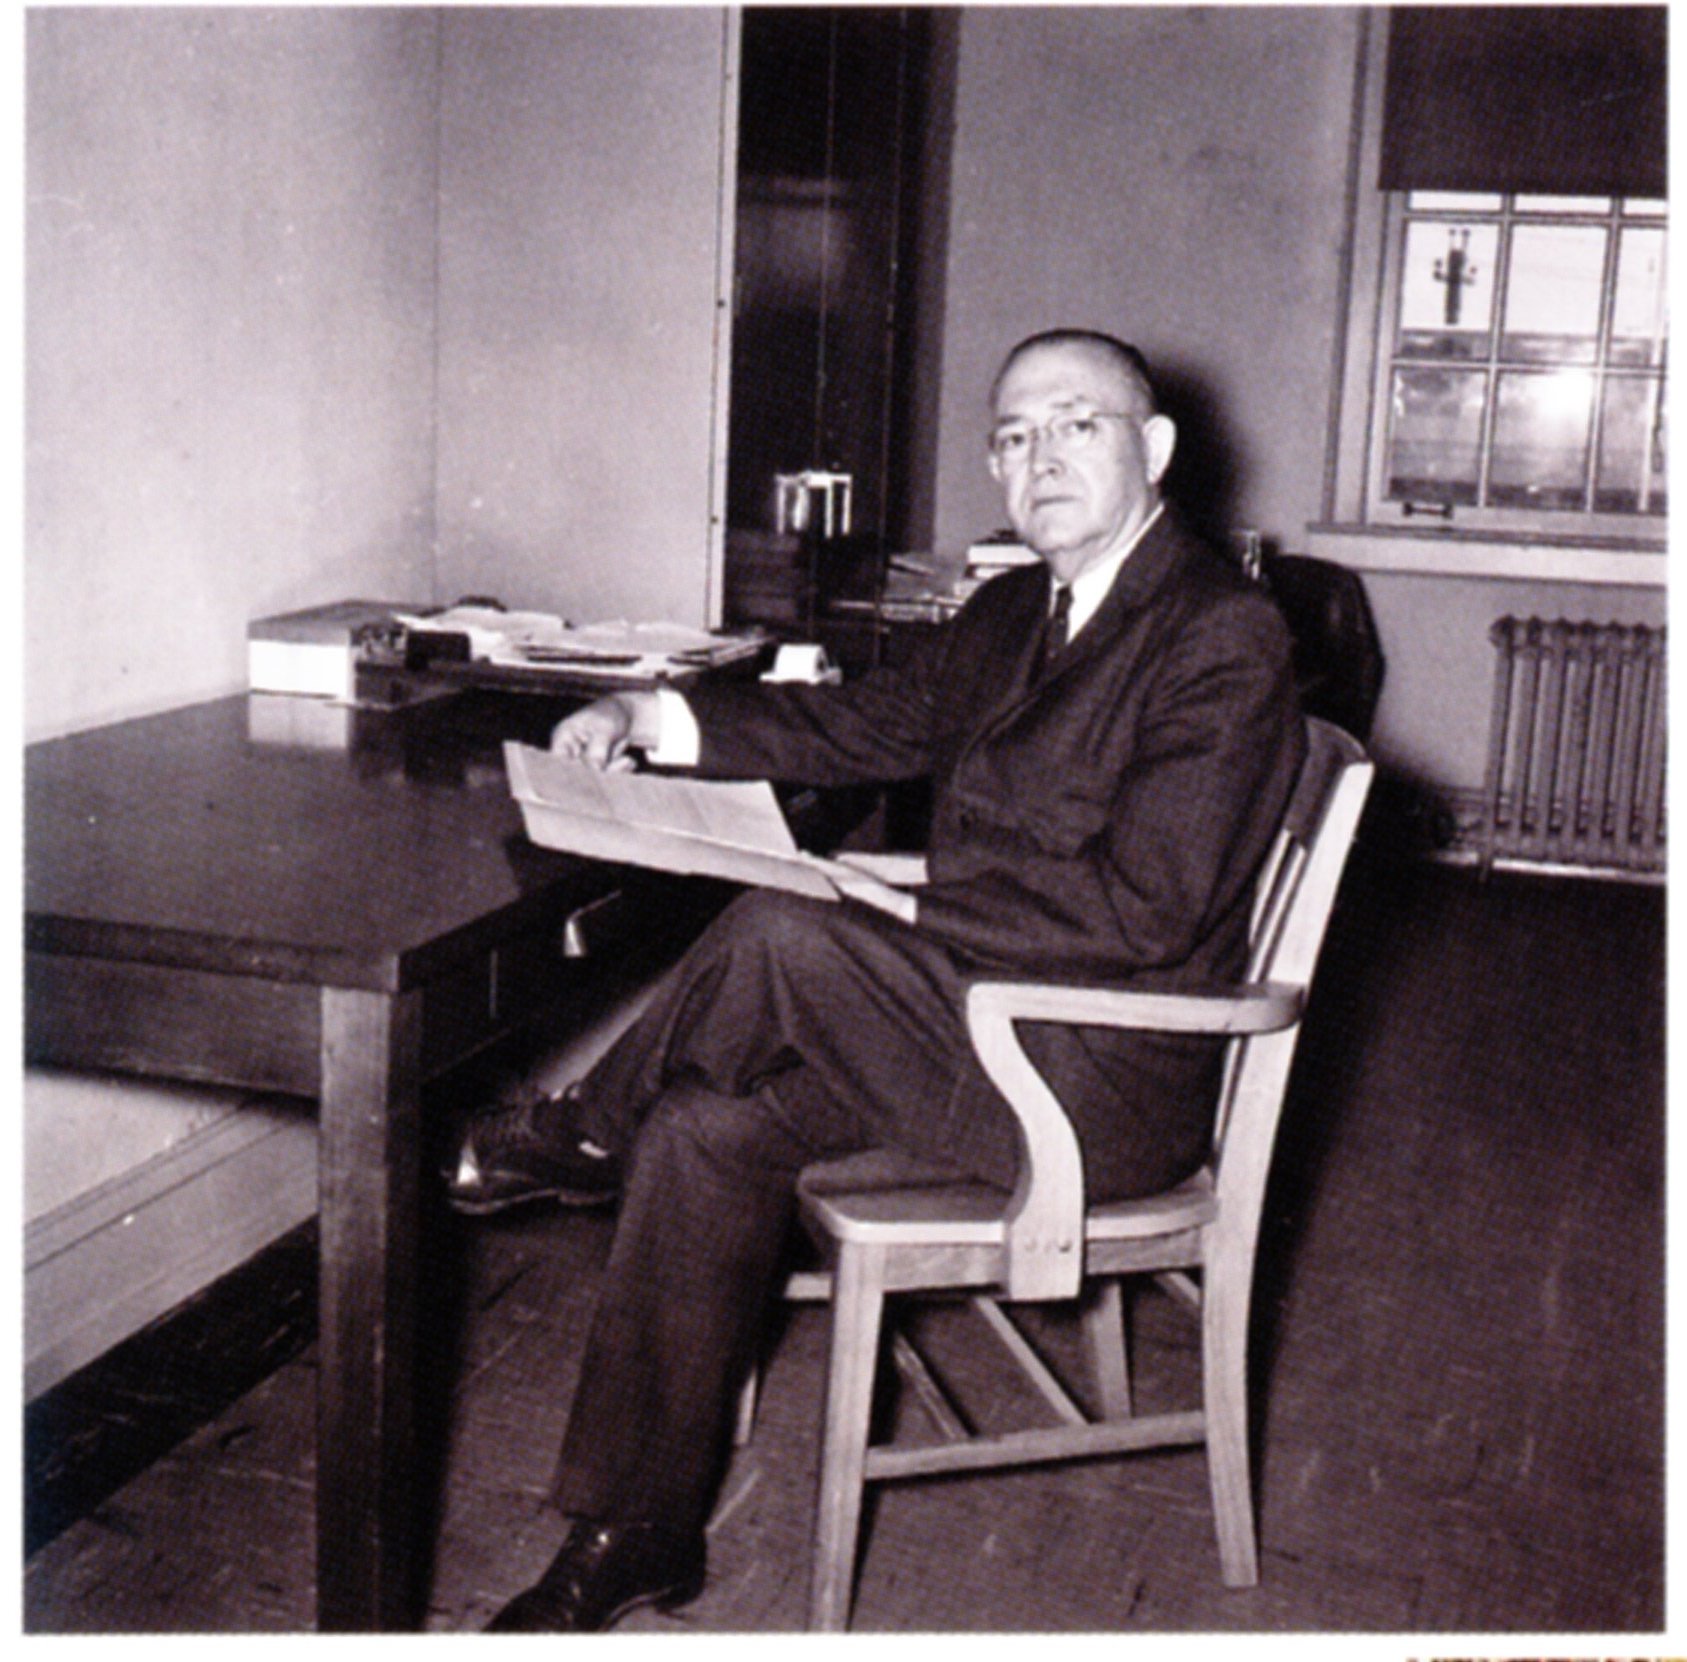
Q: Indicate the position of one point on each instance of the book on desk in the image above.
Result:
(315, 652)
(932, 588)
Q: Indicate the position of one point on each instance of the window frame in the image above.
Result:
(1397, 216)
(1355, 524)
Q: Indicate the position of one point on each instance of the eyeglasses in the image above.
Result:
(1010, 446)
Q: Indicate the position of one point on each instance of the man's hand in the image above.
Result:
(603, 733)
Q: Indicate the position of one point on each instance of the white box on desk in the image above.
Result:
(314, 651)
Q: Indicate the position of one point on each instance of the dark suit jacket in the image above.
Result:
(1105, 823)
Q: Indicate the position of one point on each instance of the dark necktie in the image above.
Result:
(1055, 631)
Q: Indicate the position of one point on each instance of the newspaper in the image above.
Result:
(703, 827)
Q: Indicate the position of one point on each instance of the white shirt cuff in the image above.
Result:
(679, 740)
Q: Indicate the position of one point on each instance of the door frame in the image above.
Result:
(726, 219)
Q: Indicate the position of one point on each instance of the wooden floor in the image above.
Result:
(1459, 1358)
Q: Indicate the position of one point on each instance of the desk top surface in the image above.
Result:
(189, 839)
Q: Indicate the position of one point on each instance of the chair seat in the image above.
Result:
(1188, 1206)
(886, 1198)
(890, 1200)
(959, 1214)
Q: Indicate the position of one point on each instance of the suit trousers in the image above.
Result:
(793, 1031)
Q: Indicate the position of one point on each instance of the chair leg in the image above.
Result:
(1104, 1330)
(1224, 1344)
(857, 1315)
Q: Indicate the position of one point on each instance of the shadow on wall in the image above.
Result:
(1205, 478)
(1338, 654)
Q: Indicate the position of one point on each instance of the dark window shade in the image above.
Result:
(1560, 100)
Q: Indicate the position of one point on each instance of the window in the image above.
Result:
(1522, 379)
(1503, 386)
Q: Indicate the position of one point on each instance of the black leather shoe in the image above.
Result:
(530, 1150)
(603, 1572)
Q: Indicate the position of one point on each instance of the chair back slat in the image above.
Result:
(1268, 888)
(1271, 907)
(1292, 911)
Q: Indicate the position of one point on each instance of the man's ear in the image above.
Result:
(1159, 437)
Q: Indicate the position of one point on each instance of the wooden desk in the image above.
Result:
(338, 923)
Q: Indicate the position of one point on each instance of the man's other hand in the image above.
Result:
(603, 733)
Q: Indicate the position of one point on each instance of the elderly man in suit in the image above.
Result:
(1112, 735)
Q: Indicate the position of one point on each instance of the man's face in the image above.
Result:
(1076, 488)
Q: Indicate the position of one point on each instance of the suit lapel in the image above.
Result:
(1139, 579)
(1156, 560)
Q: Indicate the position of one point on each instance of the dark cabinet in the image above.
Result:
(833, 103)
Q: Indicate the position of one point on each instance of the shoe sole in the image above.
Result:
(672, 1598)
(538, 1620)
(574, 1200)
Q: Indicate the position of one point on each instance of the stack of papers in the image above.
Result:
(990, 558)
(490, 630)
(634, 649)
(539, 641)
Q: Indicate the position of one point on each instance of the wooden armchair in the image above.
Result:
(883, 1230)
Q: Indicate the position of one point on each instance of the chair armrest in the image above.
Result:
(1229, 1009)
(1045, 1220)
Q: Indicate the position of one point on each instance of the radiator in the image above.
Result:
(1575, 775)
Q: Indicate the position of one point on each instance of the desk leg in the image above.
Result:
(369, 1196)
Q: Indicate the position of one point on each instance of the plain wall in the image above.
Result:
(585, 156)
(1175, 175)
(230, 343)
(324, 302)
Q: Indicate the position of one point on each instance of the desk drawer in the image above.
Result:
(482, 1001)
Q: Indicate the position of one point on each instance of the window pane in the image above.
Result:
(1453, 201)
(1552, 301)
(1563, 204)
(1435, 435)
(1633, 468)
(1541, 427)
(1447, 290)
(1640, 314)
(1646, 205)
